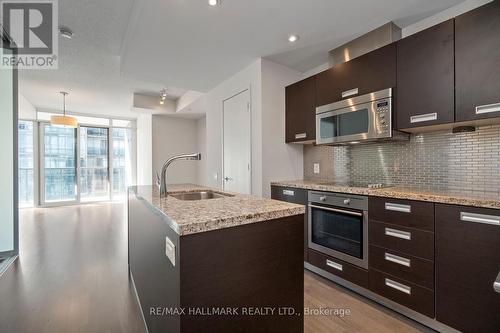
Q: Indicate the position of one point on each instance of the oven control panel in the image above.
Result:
(383, 111)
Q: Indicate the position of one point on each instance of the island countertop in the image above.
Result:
(188, 217)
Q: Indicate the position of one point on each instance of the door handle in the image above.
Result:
(228, 179)
(496, 284)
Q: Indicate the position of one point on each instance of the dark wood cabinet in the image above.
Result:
(300, 111)
(408, 213)
(467, 264)
(477, 56)
(339, 268)
(293, 195)
(425, 78)
(368, 73)
(406, 293)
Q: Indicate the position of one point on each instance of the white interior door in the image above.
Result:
(237, 136)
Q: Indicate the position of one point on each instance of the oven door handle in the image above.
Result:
(337, 210)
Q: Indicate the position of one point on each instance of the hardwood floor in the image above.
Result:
(71, 276)
(365, 316)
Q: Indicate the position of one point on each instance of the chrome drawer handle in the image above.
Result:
(300, 135)
(397, 259)
(488, 108)
(480, 218)
(398, 233)
(496, 284)
(350, 92)
(398, 207)
(398, 286)
(334, 265)
(423, 117)
(289, 192)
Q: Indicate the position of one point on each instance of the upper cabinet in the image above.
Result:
(425, 78)
(477, 56)
(300, 111)
(368, 73)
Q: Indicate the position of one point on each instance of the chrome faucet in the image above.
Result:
(162, 182)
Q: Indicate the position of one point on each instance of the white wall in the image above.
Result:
(6, 161)
(202, 149)
(280, 161)
(173, 136)
(272, 159)
(144, 150)
(26, 110)
(248, 78)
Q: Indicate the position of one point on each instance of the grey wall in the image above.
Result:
(438, 160)
(172, 136)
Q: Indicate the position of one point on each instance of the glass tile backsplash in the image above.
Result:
(465, 161)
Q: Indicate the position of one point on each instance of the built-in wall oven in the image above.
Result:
(338, 226)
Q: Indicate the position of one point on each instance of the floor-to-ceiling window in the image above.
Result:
(26, 163)
(58, 164)
(122, 160)
(94, 163)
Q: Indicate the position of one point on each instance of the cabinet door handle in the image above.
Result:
(289, 192)
(496, 284)
(398, 233)
(397, 259)
(334, 265)
(300, 135)
(423, 117)
(350, 92)
(398, 286)
(480, 218)
(488, 108)
(398, 207)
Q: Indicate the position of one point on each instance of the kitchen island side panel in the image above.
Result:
(259, 265)
(156, 279)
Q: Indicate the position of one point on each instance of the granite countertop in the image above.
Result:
(188, 217)
(454, 197)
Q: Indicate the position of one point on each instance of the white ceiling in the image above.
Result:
(126, 46)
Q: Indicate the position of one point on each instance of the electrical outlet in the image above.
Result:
(316, 167)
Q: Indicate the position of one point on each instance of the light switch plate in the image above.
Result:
(316, 167)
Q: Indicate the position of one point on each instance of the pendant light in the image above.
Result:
(64, 120)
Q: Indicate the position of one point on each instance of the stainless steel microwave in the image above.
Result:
(358, 119)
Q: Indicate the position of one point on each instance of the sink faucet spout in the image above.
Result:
(161, 181)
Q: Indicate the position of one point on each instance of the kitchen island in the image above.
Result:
(230, 263)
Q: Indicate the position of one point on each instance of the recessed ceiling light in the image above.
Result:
(293, 38)
(213, 2)
(66, 32)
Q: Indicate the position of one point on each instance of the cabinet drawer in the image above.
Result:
(404, 266)
(403, 292)
(289, 194)
(413, 214)
(339, 268)
(414, 242)
(293, 195)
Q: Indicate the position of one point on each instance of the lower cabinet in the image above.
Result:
(467, 266)
(339, 268)
(293, 195)
(409, 294)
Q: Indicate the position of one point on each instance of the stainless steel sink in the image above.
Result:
(202, 195)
